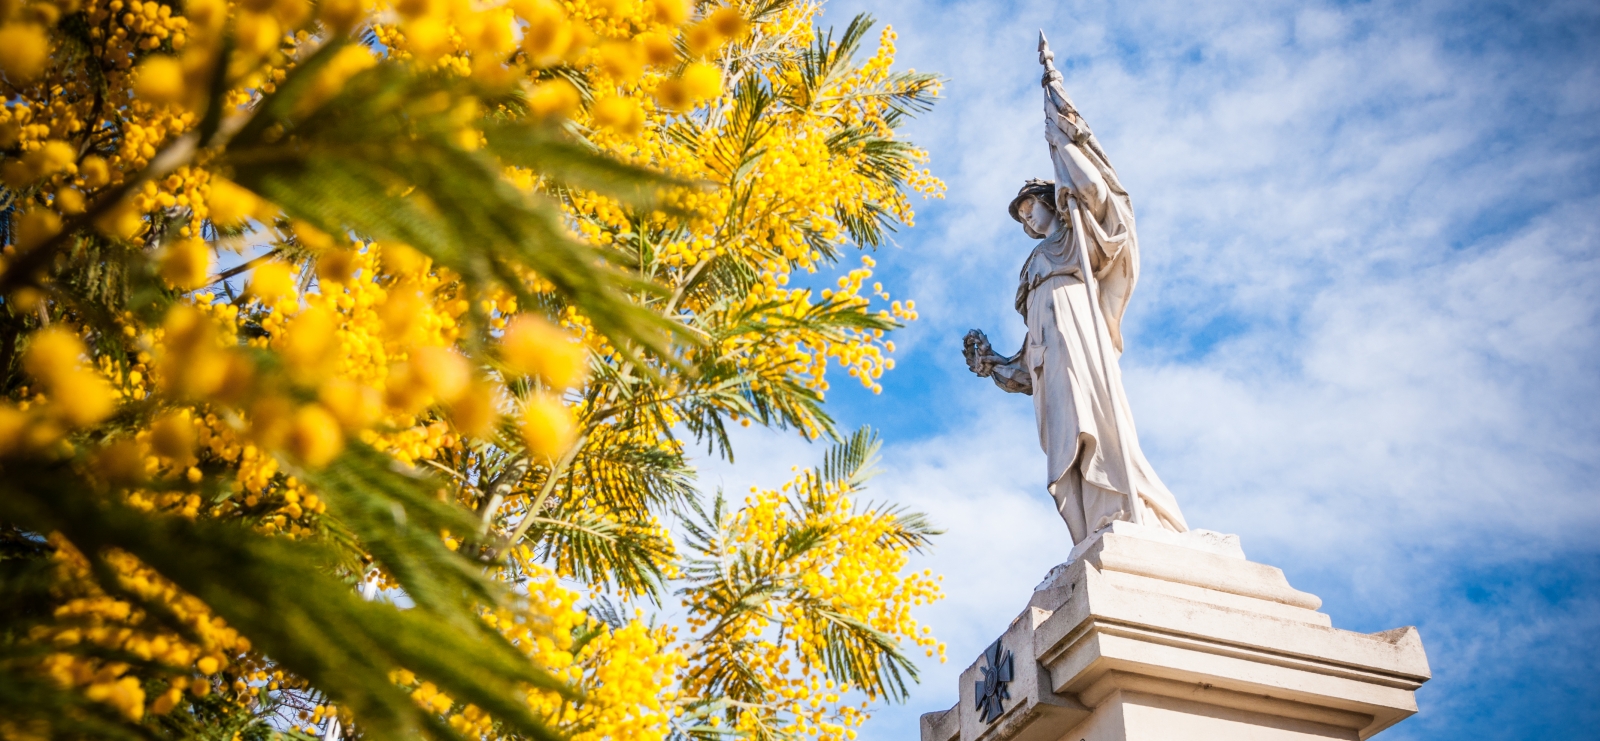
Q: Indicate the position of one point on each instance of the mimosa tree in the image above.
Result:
(351, 354)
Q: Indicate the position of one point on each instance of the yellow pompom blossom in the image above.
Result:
(228, 203)
(23, 48)
(315, 437)
(272, 282)
(34, 227)
(531, 346)
(252, 345)
(186, 263)
(72, 391)
(159, 80)
(546, 427)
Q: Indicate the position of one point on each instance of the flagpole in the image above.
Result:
(1102, 329)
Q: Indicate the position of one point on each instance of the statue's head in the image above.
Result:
(1035, 207)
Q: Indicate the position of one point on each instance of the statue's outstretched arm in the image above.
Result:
(1010, 374)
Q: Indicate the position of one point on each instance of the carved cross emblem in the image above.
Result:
(991, 690)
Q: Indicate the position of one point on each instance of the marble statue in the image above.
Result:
(1074, 288)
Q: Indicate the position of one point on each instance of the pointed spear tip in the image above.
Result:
(1043, 43)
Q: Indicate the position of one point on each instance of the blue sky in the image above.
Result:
(1364, 338)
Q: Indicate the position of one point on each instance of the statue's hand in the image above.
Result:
(981, 358)
(1064, 128)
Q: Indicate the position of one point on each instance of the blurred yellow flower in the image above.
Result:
(271, 281)
(121, 462)
(658, 48)
(78, 396)
(442, 374)
(190, 364)
(310, 346)
(548, 35)
(35, 226)
(53, 352)
(553, 98)
(618, 114)
(122, 221)
(314, 436)
(702, 81)
(623, 60)
(356, 406)
(532, 346)
(340, 15)
(125, 695)
(474, 413)
(547, 427)
(336, 266)
(670, 12)
(69, 201)
(229, 203)
(24, 48)
(172, 435)
(186, 264)
(94, 171)
(257, 33)
(159, 79)
(13, 424)
(728, 22)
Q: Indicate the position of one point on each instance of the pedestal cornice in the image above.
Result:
(1141, 632)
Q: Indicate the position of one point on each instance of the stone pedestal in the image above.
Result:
(1145, 635)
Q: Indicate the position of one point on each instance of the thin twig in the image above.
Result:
(500, 488)
(556, 472)
(248, 265)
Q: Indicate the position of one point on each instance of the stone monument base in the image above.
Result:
(1147, 635)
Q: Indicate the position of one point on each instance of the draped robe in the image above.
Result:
(1069, 361)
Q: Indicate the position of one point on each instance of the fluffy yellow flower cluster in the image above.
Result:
(615, 42)
(72, 394)
(801, 161)
(628, 672)
(852, 575)
(207, 647)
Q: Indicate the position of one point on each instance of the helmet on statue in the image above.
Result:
(1044, 192)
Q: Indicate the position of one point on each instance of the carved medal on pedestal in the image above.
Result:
(992, 688)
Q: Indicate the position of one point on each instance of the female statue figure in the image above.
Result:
(1073, 290)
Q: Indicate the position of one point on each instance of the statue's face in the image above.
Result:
(1037, 216)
